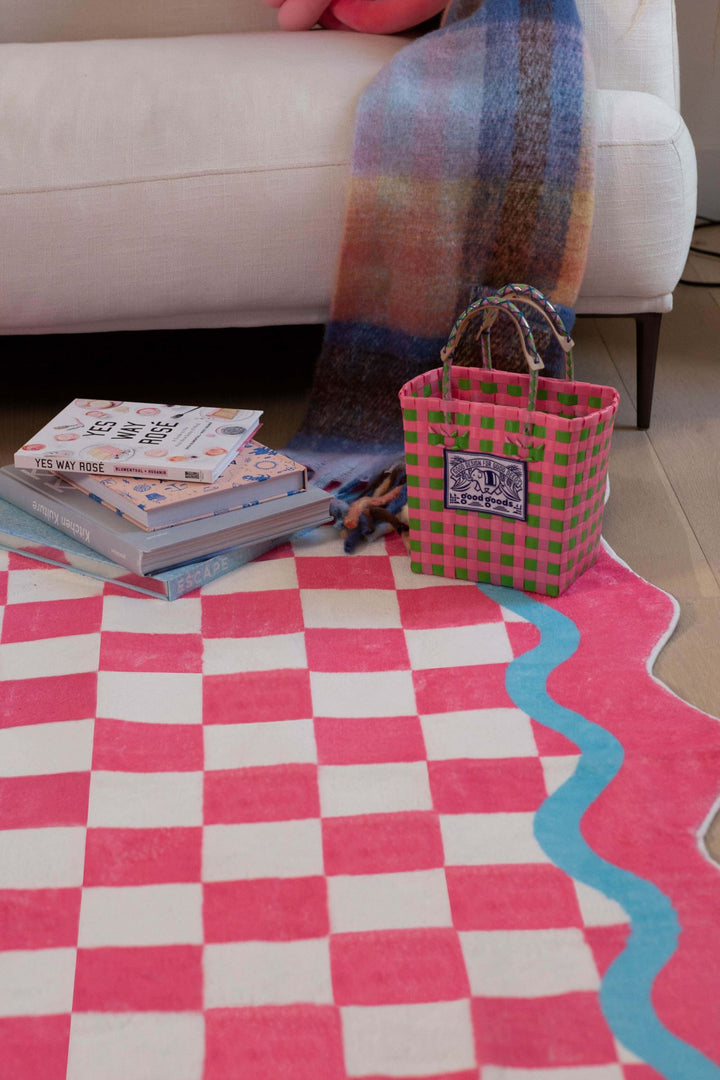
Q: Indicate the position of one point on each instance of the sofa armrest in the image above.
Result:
(81, 20)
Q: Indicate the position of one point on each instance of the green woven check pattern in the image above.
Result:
(566, 449)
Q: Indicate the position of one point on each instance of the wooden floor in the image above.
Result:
(663, 516)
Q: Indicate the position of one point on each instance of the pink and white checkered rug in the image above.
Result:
(329, 819)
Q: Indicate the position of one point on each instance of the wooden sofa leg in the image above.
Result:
(647, 338)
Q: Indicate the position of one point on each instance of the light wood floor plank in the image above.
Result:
(646, 521)
(685, 427)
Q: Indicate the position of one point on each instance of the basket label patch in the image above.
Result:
(486, 482)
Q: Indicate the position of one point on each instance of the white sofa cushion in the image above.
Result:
(645, 202)
(176, 181)
(200, 181)
(632, 41)
(633, 45)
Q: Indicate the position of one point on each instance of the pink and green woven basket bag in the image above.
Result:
(506, 471)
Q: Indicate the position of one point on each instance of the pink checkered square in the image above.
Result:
(151, 652)
(352, 650)
(389, 967)
(265, 793)
(487, 787)
(552, 743)
(369, 739)
(382, 843)
(338, 572)
(450, 689)
(39, 918)
(57, 618)
(52, 698)
(256, 697)
(31, 802)
(161, 978)
(445, 605)
(121, 857)
(35, 1046)
(533, 897)
(541, 1033)
(252, 614)
(299, 1041)
(127, 746)
(266, 909)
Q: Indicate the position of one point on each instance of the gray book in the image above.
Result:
(32, 538)
(53, 500)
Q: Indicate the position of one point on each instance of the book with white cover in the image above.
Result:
(136, 438)
(255, 474)
(52, 499)
(28, 536)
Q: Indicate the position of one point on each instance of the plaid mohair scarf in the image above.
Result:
(473, 167)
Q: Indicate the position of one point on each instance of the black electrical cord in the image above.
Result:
(704, 223)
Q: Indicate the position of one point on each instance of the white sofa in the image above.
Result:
(180, 163)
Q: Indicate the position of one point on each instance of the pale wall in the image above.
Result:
(699, 40)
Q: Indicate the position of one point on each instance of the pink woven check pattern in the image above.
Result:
(285, 828)
(566, 447)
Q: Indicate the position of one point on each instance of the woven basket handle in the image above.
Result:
(526, 294)
(513, 295)
(492, 305)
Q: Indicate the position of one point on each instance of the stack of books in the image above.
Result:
(159, 498)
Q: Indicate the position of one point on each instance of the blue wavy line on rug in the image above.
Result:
(625, 994)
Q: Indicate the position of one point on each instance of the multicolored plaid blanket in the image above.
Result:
(472, 167)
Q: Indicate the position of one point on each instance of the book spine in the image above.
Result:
(137, 583)
(184, 579)
(23, 459)
(56, 513)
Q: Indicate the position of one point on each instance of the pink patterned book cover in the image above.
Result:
(135, 438)
(256, 474)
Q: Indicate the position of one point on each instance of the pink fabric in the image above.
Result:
(566, 447)
(283, 827)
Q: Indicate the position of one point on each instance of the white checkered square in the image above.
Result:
(150, 697)
(490, 839)
(373, 693)
(528, 963)
(265, 849)
(350, 609)
(267, 973)
(141, 1046)
(141, 915)
(143, 615)
(557, 770)
(52, 858)
(395, 901)
(29, 586)
(255, 577)
(374, 789)
(36, 982)
(406, 579)
(478, 733)
(145, 800)
(598, 909)
(277, 742)
(459, 646)
(408, 1040)
(272, 652)
(45, 749)
(52, 656)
